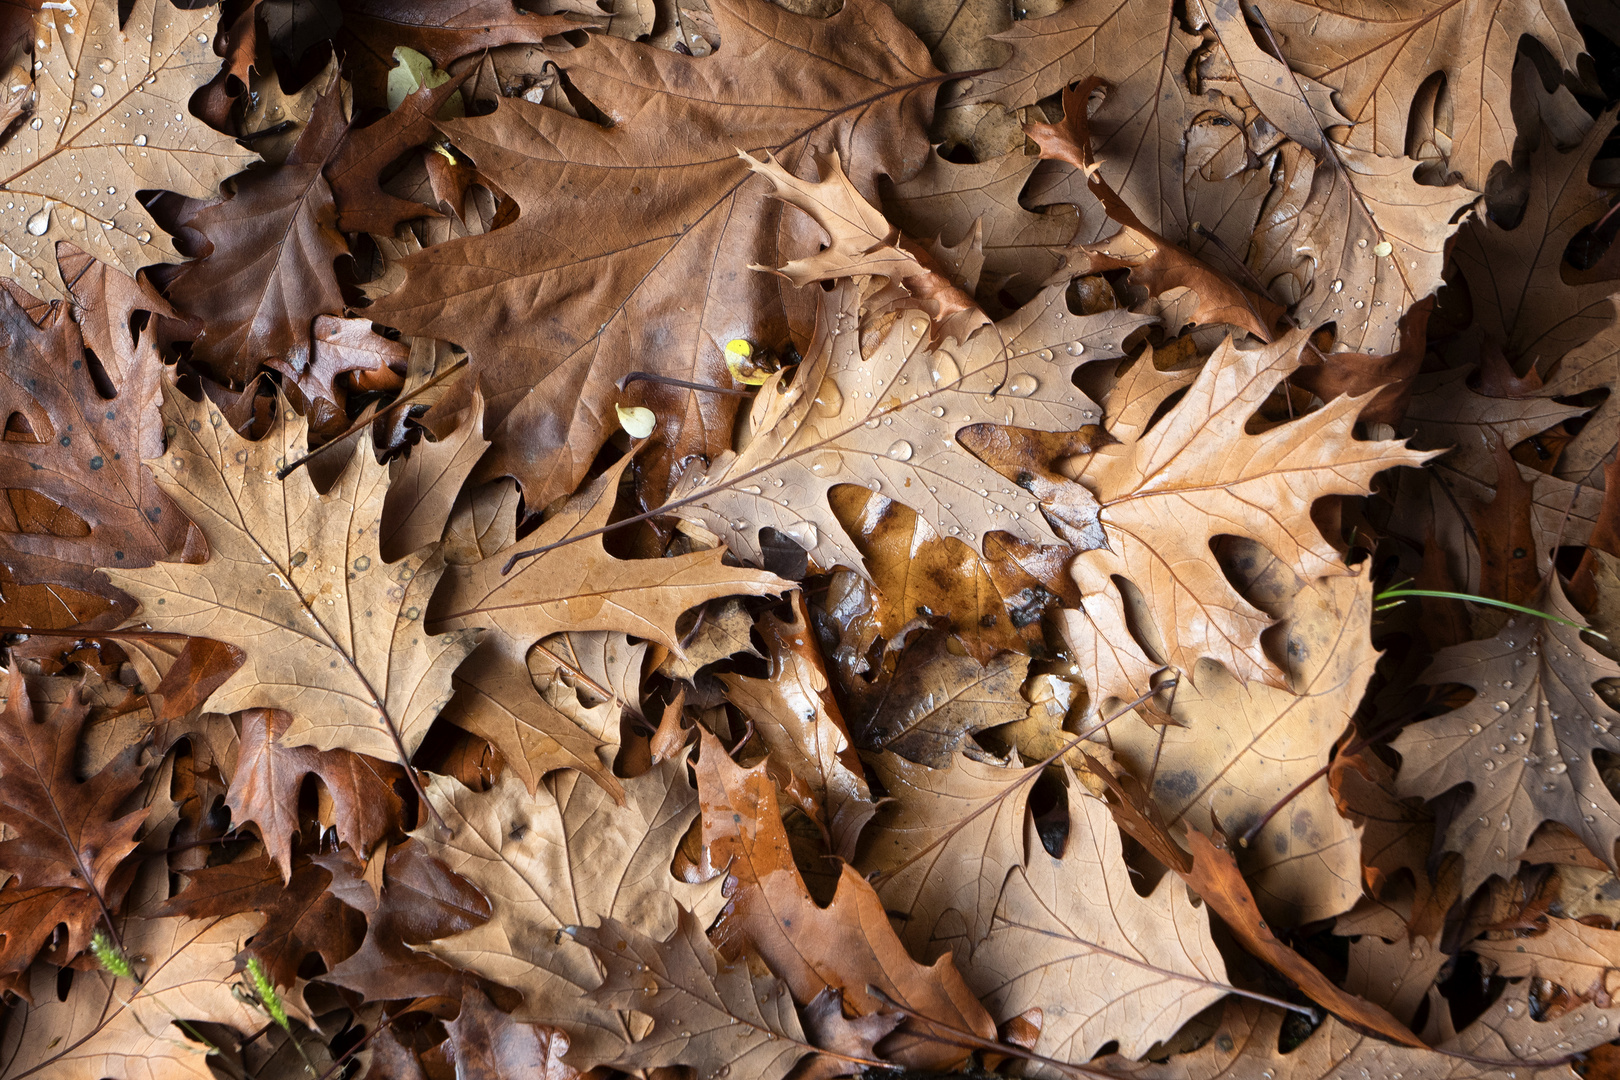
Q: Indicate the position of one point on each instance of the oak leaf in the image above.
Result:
(1505, 1042)
(1167, 490)
(70, 177)
(295, 580)
(1234, 750)
(269, 775)
(718, 1017)
(86, 450)
(941, 847)
(875, 405)
(798, 720)
(490, 1045)
(556, 858)
(1580, 958)
(934, 698)
(1527, 743)
(571, 585)
(65, 838)
(690, 219)
(269, 271)
(1072, 937)
(300, 916)
(109, 1027)
(423, 487)
(847, 945)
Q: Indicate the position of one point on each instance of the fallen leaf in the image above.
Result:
(548, 859)
(714, 1016)
(848, 945)
(1072, 937)
(295, 580)
(823, 429)
(574, 586)
(857, 82)
(156, 58)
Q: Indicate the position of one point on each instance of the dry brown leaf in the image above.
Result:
(1237, 750)
(941, 846)
(874, 405)
(848, 945)
(557, 858)
(934, 698)
(725, 630)
(1019, 245)
(269, 271)
(1213, 874)
(715, 1016)
(921, 575)
(269, 775)
(1582, 959)
(68, 176)
(1525, 297)
(1072, 937)
(1505, 1043)
(795, 715)
(489, 1043)
(1165, 492)
(576, 586)
(1397, 974)
(64, 837)
(109, 1027)
(687, 222)
(423, 487)
(295, 580)
(1526, 742)
(86, 450)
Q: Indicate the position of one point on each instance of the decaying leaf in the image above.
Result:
(68, 176)
(295, 579)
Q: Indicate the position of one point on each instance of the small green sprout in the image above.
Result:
(110, 956)
(269, 1000)
(1397, 594)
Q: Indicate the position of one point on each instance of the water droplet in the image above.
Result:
(1337, 285)
(1382, 248)
(944, 370)
(140, 140)
(1517, 738)
(1074, 348)
(829, 399)
(105, 66)
(1558, 768)
(1490, 766)
(1507, 823)
(1500, 706)
(753, 489)
(36, 123)
(97, 90)
(1500, 748)
(901, 450)
(1023, 385)
(826, 463)
(144, 237)
(40, 223)
(1474, 729)
(1045, 354)
(937, 410)
(1359, 304)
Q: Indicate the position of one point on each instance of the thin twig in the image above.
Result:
(366, 421)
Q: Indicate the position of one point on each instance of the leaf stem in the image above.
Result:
(366, 421)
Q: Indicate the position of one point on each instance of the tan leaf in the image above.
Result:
(941, 846)
(796, 717)
(857, 82)
(559, 857)
(719, 1018)
(423, 487)
(109, 1027)
(1236, 749)
(295, 580)
(902, 440)
(848, 945)
(575, 586)
(1197, 474)
(57, 169)
(1526, 742)
(1071, 936)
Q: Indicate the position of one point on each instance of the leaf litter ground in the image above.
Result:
(749, 539)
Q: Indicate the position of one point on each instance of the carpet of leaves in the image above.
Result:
(726, 538)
